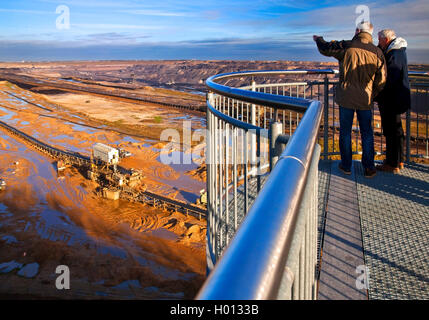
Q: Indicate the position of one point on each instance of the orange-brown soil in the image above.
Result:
(114, 249)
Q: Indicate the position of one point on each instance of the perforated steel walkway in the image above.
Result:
(382, 222)
(379, 226)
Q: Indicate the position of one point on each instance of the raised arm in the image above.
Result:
(334, 49)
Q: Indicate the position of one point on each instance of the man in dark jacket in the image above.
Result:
(362, 77)
(395, 99)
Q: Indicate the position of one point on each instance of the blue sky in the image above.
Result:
(190, 29)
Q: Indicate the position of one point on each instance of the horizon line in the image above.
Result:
(178, 59)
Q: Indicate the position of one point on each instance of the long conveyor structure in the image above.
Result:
(78, 159)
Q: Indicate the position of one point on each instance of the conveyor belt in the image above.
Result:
(79, 159)
(98, 91)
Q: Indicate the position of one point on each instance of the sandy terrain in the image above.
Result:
(150, 116)
(115, 249)
(74, 135)
(184, 75)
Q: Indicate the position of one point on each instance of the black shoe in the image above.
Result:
(347, 172)
(369, 173)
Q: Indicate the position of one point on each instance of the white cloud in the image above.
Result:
(93, 3)
(26, 11)
(156, 13)
(109, 26)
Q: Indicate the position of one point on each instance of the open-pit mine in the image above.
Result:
(82, 185)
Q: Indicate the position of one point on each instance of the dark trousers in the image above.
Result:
(367, 137)
(394, 133)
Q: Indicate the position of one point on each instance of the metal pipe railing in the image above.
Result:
(283, 204)
(415, 121)
(240, 132)
(252, 266)
(265, 99)
(239, 209)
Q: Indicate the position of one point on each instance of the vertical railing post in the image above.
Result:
(315, 212)
(253, 136)
(209, 154)
(408, 137)
(276, 129)
(258, 163)
(325, 117)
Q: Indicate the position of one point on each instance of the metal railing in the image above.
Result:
(415, 121)
(263, 240)
(238, 165)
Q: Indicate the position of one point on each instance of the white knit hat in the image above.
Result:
(365, 26)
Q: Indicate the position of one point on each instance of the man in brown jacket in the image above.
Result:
(362, 77)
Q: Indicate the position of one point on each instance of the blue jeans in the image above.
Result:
(367, 137)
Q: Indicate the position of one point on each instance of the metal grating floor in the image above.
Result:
(394, 213)
(394, 220)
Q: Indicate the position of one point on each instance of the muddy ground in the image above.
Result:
(114, 249)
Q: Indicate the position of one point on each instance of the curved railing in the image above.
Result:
(273, 252)
(246, 127)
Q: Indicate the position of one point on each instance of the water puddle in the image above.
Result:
(71, 80)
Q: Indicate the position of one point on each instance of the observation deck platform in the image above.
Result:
(381, 223)
(372, 234)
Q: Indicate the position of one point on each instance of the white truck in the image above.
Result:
(2, 184)
(105, 153)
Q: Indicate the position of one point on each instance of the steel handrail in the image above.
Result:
(252, 267)
(235, 122)
(274, 85)
(254, 73)
(418, 73)
(260, 98)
